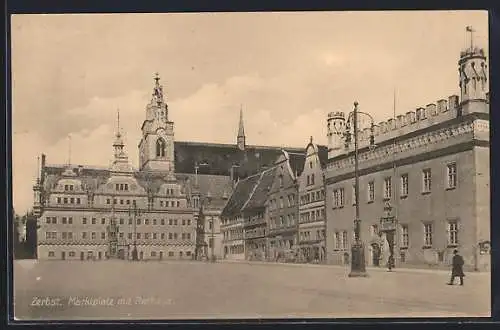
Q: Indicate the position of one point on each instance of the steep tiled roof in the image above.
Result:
(240, 195)
(220, 158)
(323, 155)
(218, 186)
(297, 162)
(260, 193)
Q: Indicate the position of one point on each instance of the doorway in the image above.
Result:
(99, 255)
(121, 254)
(376, 255)
(161, 255)
(82, 255)
(63, 255)
(141, 255)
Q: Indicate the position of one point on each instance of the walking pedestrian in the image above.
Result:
(457, 268)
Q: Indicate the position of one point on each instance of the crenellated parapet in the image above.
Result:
(443, 136)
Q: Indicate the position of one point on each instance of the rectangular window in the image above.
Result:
(404, 185)
(103, 235)
(130, 221)
(108, 201)
(103, 221)
(64, 221)
(154, 222)
(162, 235)
(94, 235)
(146, 235)
(452, 233)
(129, 235)
(426, 180)
(405, 236)
(170, 222)
(65, 200)
(146, 221)
(188, 235)
(170, 253)
(153, 253)
(189, 222)
(78, 201)
(93, 221)
(344, 240)
(72, 200)
(84, 235)
(428, 235)
(170, 236)
(451, 171)
(70, 235)
(338, 241)
(138, 235)
(387, 188)
(122, 221)
(70, 220)
(51, 254)
(175, 235)
(121, 235)
(58, 200)
(162, 222)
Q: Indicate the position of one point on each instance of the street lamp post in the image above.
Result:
(134, 211)
(358, 266)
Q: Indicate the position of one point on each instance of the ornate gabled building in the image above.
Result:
(97, 212)
(283, 207)
(312, 218)
(424, 190)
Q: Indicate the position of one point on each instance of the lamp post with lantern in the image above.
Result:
(135, 212)
(358, 266)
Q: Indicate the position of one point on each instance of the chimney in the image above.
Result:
(430, 109)
(441, 106)
(453, 102)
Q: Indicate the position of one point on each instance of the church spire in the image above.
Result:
(118, 144)
(241, 132)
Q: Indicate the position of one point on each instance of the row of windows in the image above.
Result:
(282, 221)
(274, 206)
(236, 233)
(311, 216)
(306, 235)
(69, 200)
(257, 232)
(451, 183)
(93, 235)
(256, 218)
(154, 222)
(90, 253)
(452, 232)
(312, 197)
(121, 187)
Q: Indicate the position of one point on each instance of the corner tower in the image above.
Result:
(335, 129)
(156, 149)
(240, 140)
(473, 71)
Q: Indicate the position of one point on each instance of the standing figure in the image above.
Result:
(457, 268)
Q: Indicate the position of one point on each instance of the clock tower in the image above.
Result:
(156, 149)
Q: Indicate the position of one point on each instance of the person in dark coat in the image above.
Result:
(457, 268)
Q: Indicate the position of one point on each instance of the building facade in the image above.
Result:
(255, 217)
(283, 208)
(431, 166)
(312, 218)
(86, 212)
(232, 217)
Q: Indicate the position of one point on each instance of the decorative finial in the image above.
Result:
(118, 134)
(356, 103)
(311, 139)
(157, 78)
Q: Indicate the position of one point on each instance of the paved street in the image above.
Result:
(183, 290)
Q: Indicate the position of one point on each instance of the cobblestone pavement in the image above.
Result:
(184, 290)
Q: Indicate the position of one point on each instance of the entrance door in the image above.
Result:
(376, 255)
(100, 255)
(121, 254)
(82, 255)
(161, 255)
(63, 255)
(141, 255)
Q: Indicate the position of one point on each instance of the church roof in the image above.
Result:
(240, 195)
(260, 193)
(220, 158)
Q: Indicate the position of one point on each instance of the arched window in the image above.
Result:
(160, 148)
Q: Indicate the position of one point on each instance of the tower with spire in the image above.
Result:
(240, 140)
(156, 149)
(120, 163)
(473, 75)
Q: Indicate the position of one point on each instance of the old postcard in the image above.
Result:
(251, 165)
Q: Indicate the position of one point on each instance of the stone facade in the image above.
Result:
(312, 217)
(432, 167)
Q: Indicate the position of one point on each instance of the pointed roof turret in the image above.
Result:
(241, 129)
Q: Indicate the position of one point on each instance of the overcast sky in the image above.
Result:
(70, 74)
